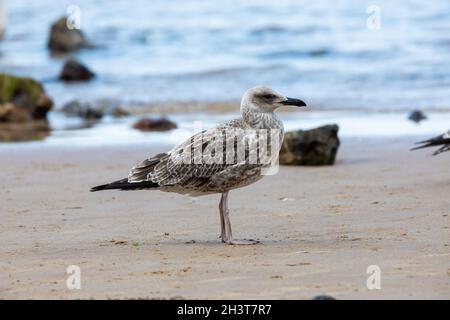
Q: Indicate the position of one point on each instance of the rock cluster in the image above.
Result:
(23, 109)
(87, 111)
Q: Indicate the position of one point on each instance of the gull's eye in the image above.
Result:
(269, 96)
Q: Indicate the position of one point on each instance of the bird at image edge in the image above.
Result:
(442, 140)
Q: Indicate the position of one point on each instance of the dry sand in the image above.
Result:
(320, 227)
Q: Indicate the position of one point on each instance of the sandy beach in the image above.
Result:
(320, 228)
(89, 89)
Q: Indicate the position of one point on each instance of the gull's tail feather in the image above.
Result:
(123, 184)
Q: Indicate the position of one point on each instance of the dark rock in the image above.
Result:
(417, 116)
(63, 40)
(25, 94)
(75, 71)
(323, 297)
(314, 147)
(83, 110)
(161, 124)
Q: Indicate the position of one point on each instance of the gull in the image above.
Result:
(214, 161)
(441, 140)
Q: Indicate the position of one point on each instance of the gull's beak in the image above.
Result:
(293, 102)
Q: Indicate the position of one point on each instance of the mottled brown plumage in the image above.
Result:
(229, 156)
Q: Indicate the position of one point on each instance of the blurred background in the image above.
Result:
(194, 59)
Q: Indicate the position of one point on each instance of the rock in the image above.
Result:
(75, 71)
(23, 109)
(417, 116)
(314, 147)
(32, 130)
(10, 113)
(83, 110)
(25, 94)
(161, 124)
(63, 39)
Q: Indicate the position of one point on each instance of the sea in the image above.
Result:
(361, 64)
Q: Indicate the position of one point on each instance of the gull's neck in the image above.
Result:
(260, 120)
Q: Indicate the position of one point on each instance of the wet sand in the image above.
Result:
(320, 228)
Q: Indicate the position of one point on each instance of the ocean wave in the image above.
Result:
(207, 52)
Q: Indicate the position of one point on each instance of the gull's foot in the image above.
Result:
(242, 242)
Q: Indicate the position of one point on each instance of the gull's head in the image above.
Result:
(265, 99)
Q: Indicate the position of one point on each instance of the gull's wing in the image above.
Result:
(140, 172)
(192, 162)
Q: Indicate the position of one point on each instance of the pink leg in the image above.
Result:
(222, 220)
(227, 235)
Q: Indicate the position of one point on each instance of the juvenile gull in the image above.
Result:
(229, 156)
(442, 140)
